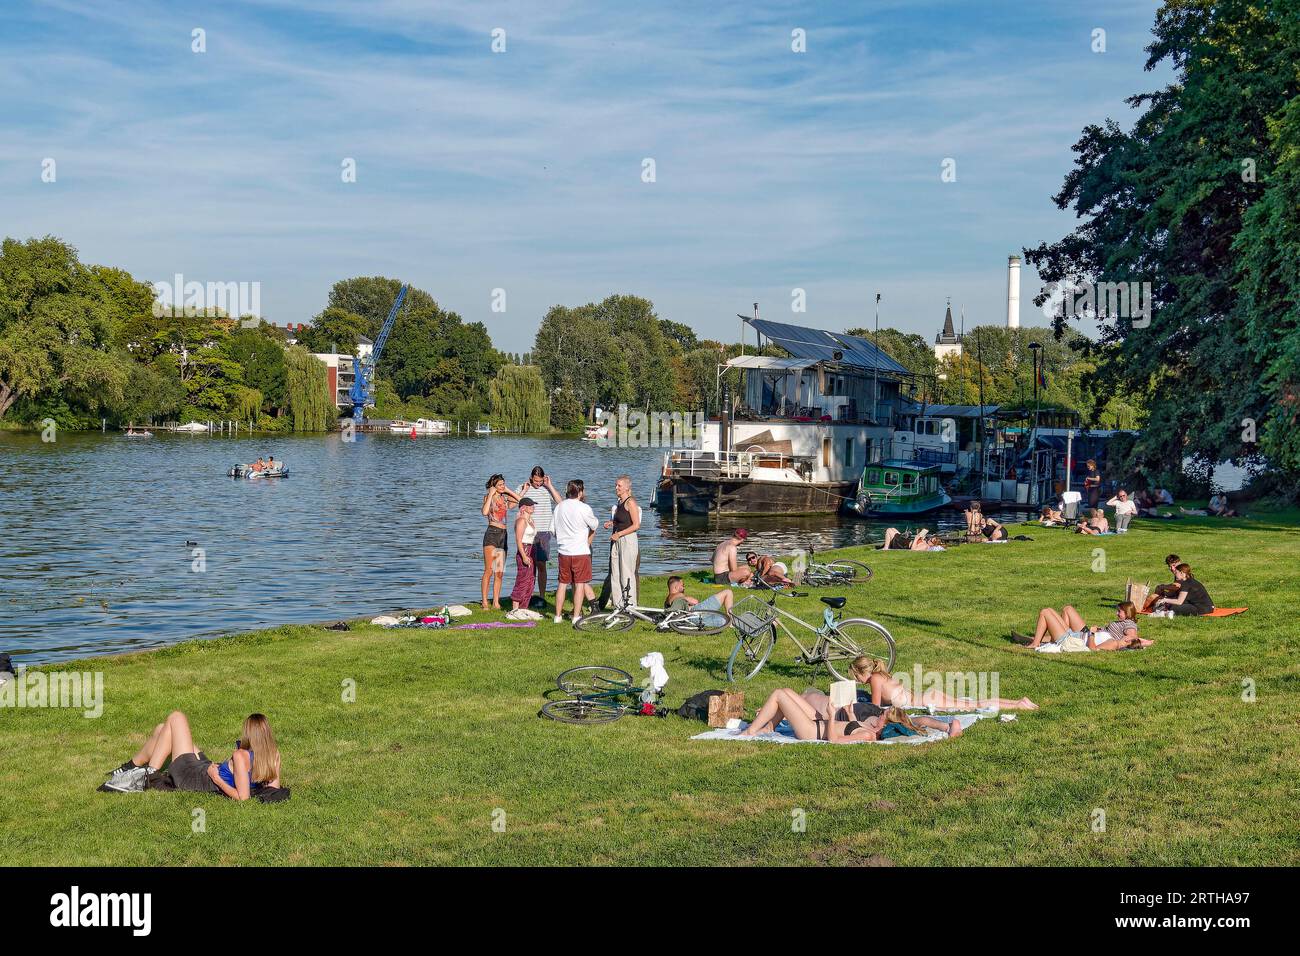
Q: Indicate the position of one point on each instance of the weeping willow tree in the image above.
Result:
(307, 388)
(247, 403)
(517, 396)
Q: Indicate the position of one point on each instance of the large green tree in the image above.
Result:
(1177, 202)
(58, 321)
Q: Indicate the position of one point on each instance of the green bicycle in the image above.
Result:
(598, 694)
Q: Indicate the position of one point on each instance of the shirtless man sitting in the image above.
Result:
(727, 566)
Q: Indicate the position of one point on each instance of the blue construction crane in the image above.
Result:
(363, 382)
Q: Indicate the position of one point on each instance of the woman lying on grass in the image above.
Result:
(861, 711)
(887, 689)
(1068, 632)
(923, 540)
(255, 762)
(810, 723)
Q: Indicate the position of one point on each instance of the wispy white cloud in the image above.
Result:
(522, 170)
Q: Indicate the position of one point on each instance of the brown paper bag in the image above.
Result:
(1137, 593)
(726, 706)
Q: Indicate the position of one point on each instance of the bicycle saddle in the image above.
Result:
(835, 602)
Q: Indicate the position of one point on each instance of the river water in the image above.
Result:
(95, 529)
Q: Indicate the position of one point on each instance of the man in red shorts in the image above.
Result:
(573, 525)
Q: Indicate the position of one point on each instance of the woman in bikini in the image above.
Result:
(496, 503)
(889, 690)
(807, 723)
(861, 711)
(254, 764)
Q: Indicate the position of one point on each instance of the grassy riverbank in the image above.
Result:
(443, 733)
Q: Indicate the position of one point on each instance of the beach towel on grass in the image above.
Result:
(784, 735)
(1217, 612)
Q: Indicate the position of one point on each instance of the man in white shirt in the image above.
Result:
(1125, 509)
(540, 488)
(574, 524)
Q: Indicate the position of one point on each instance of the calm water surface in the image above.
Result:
(94, 531)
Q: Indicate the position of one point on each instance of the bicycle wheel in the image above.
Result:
(581, 711)
(854, 638)
(593, 679)
(849, 572)
(750, 654)
(707, 621)
(605, 621)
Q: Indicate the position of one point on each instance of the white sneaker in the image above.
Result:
(559, 619)
(127, 781)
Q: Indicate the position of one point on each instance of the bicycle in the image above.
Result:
(688, 621)
(756, 622)
(597, 695)
(838, 573)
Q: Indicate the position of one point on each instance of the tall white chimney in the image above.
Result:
(1013, 292)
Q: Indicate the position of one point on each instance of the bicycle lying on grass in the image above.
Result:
(836, 642)
(597, 695)
(837, 573)
(688, 621)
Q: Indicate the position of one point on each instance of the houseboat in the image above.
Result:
(797, 434)
(897, 487)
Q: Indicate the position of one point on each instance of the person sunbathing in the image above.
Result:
(887, 689)
(810, 724)
(254, 764)
(1097, 521)
(767, 569)
(923, 540)
(861, 710)
(1220, 508)
(991, 530)
(1068, 632)
(1051, 517)
(974, 516)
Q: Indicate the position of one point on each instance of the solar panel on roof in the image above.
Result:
(803, 342)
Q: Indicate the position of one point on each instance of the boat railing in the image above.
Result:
(933, 456)
(698, 463)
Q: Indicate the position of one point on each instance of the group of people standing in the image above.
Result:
(548, 522)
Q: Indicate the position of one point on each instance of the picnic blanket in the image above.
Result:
(1217, 612)
(785, 735)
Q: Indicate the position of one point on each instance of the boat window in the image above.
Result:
(873, 477)
(909, 479)
(891, 478)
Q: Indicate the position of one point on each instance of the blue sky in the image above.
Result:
(522, 170)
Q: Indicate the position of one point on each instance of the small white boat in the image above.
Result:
(132, 433)
(595, 432)
(482, 429)
(193, 428)
(421, 426)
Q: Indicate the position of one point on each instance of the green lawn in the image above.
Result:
(443, 733)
